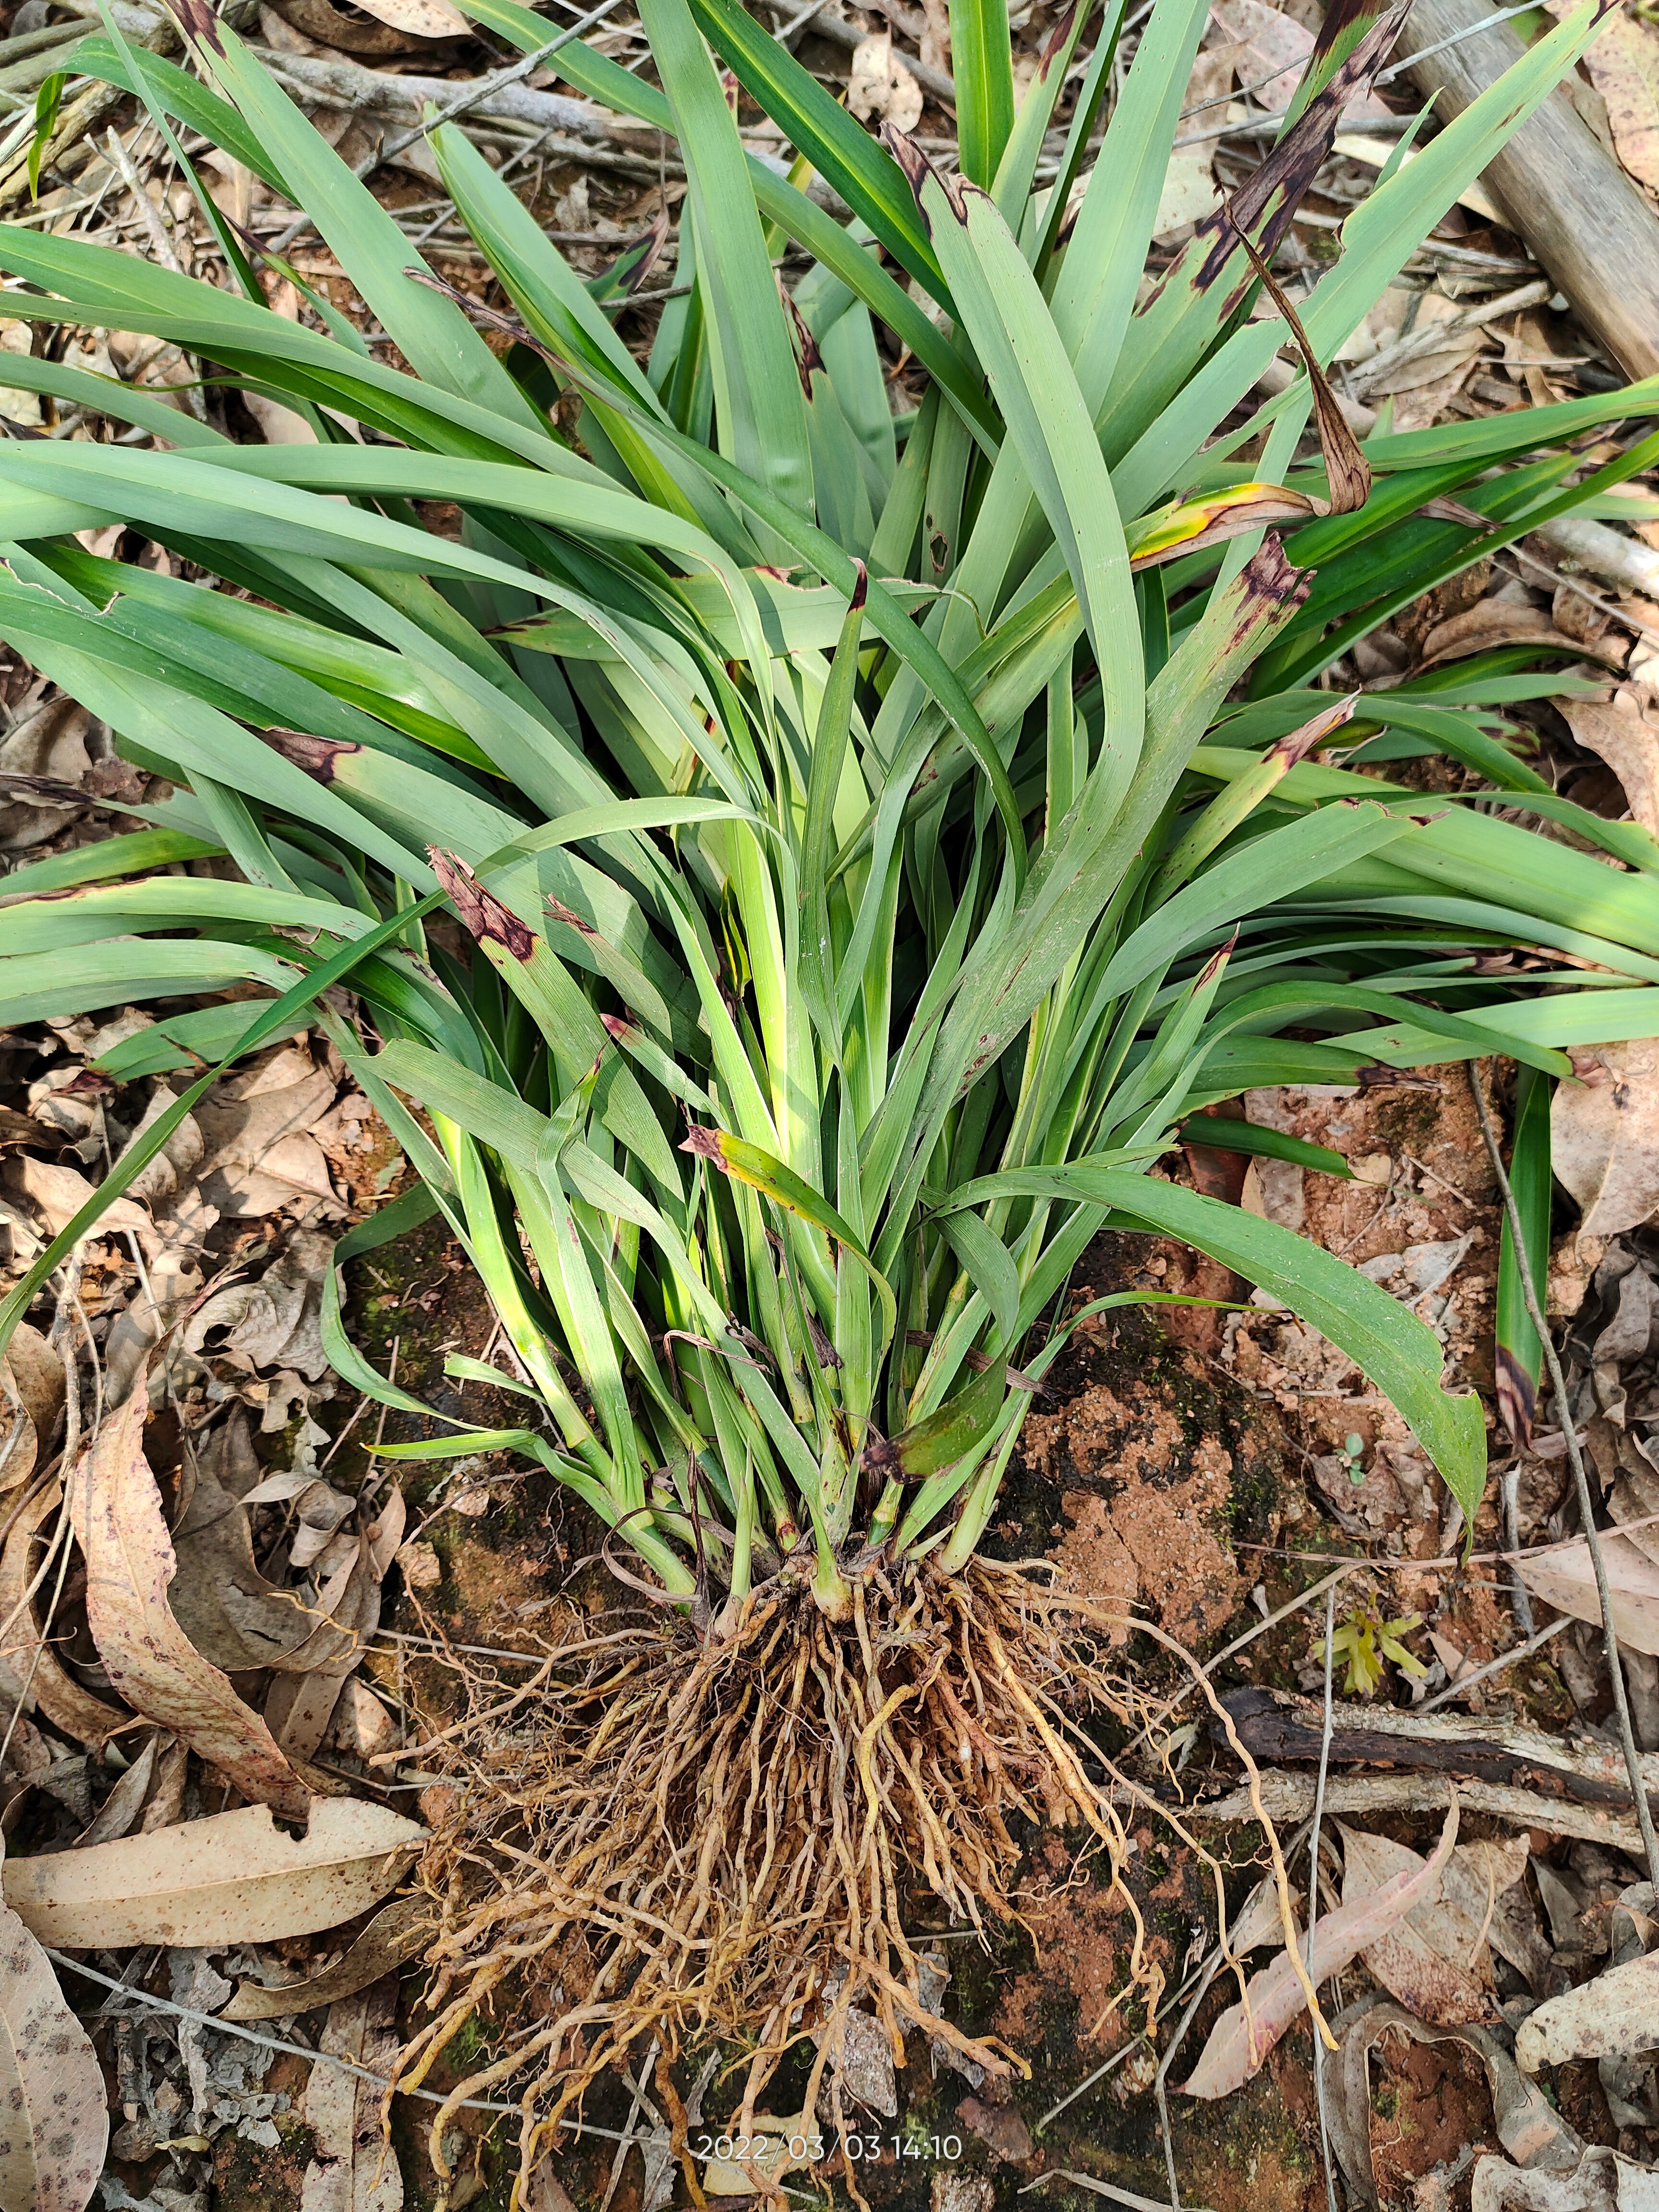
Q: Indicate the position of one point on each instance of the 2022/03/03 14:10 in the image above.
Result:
(809, 2149)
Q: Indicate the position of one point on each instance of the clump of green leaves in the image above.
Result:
(874, 838)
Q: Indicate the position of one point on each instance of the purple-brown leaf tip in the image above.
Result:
(480, 911)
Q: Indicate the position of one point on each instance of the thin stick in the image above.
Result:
(471, 95)
(1313, 1900)
(1496, 1666)
(302, 2050)
(1169, 2142)
(1576, 1460)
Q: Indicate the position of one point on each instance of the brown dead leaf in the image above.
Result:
(228, 1878)
(117, 1512)
(420, 19)
(1624, 732)
(30, 1656)
(354, 2168)
(397, 1932)
(31, 1402)
(59, 1192)
(236, 1617)
(1527, 2126)
(270, 1323)
(119, 1812)
(880, 87)
(1624, 67)
(1564, 1577)
(1604, 1137)
(1610, 2017)
(49, 743)
(1435, 1960)
(256, 1127)
(1493, 622)
(54, 2117)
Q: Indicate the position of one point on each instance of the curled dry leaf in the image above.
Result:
(229, 1878)
(120, 1810)
(879, 85)
(1611, 2017)
(1604, 2181)
(233, 1616)
(1624, 732)
(54, 2119)
(397, 1932)
(56, 1692)
(1435, 1960)
(1604, 1138)
(1493, 622)
(31, 1403)
(117, 1511)
(1564, 1577)
(1529, 2127)
(1241, 2039)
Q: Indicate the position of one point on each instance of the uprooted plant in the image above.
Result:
(875, 837)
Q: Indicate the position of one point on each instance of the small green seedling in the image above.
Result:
(1366, 1643)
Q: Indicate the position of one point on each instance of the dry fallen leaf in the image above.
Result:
(31, 1402)
(1605, 2182)
(1435, 1960)
(1527, 2126)
(420, 19)
(117, 1511)
(879, 85)
(228, 1878)
(54, 2119)
(1624, 732)
(397, 1932)
(1564, 1577)
(354, 2168)
(1604, 1138)
(1490, 623)
(1240, 2041)
(1624, 67)
(1610, 2017)
(57, 1694)
(272, 1322)
(233, 1616)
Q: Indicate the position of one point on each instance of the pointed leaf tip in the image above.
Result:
(480, 911)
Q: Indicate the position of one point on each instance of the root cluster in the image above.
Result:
(669, 1840)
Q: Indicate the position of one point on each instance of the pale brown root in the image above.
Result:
(688, 1841)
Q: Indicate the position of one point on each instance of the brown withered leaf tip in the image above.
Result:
(620, 1029)
(1296, 744)
(1282, 181)
(860, 585)
(480, 911)
(316, 755)
(199, 21)
(1270, 579)
(1057, 39)
(918, 168)
(823, 1350)
(809, 359)
(560, 912)
(705, 1143)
